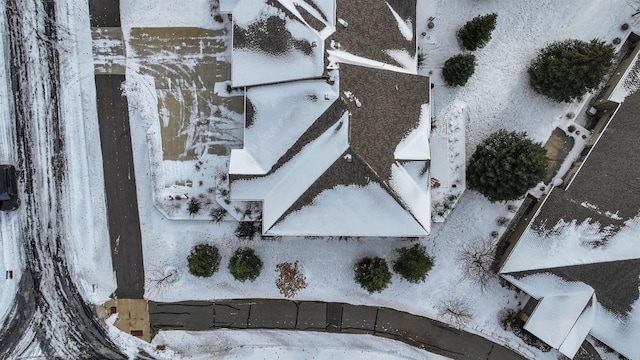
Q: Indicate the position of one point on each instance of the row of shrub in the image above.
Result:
(413, 264)
(204, 261)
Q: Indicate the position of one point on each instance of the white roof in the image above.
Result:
(251, 65)
(568, 243)
(555, 318)
(351, 210)
(282, 113)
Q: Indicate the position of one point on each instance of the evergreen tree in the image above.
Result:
(193, 206)
(566, 70)
(506, 165)
(458, 69)
(247, 229)
(413, 264)
(204, 260)
(245, 264)
(476, 33)
(372, 274)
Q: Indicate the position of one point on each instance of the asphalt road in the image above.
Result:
(48, 313)
(104, 13)
(120, 187)
(414, 330)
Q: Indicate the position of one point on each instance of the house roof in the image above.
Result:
(588, 232)
(272, 44)
(379, 30)
(299, 134)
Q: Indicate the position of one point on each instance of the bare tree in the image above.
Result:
(159, 278)
(475, 260)
(456, 312)
(290, 280)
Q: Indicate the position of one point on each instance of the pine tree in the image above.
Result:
(476, 33)
(566, 70)
(245, 264)
(458, 69)
(413, 264)
(204, 260)
(372, 274)
(506, 165)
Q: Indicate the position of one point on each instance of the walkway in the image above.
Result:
(414, 330)
(120, 187)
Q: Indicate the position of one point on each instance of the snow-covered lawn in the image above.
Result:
(497, 96)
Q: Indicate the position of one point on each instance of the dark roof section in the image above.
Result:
(615, 283)
(609, 178)
(372, 28)
(391, 105)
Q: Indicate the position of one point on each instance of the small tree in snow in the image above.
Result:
(458, 69)
(290, 280)
(566, 70)
(247, 229)
(193, 206)
(476, 33)
(204, 260)
(160, 278)
(475, 260)
(372, 273)
(245, 264)
(456, 312)
(217, 214)
(413, 264)
(506, 165)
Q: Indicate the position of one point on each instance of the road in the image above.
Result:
(414, 330)
(48, 310)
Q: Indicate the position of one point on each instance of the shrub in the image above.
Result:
(193, 206)
(290, 280)
(204, 260)
(372, 274)
(247, 229)
(476, 33)
(413, 264)
(458, 69)
(245, 264)
(217, 214)
(566, 70)
(506, 165)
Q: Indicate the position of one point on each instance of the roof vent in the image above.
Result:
(327, 97)
(348, 157)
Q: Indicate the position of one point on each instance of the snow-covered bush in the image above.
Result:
(247, 229)
(566, 70)
(476, 33)
(506, 165)
(245, 264)
(193, 206)
(217, 214)
(413, 264)
(372, 274)
(458, 69)
(290, 280)
(204, 260)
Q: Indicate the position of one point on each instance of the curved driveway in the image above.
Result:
(414, 330)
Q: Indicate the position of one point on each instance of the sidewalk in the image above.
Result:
(414, 330)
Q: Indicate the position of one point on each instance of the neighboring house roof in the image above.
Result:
(590, 233)
(349, 150)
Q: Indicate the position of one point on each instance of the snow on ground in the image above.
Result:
(87, 229)
(271, 344)
(497, 96)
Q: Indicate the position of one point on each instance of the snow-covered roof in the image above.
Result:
(271, 44)
(561, 304)
(360, 126)
(588, 232)
(384, 32)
